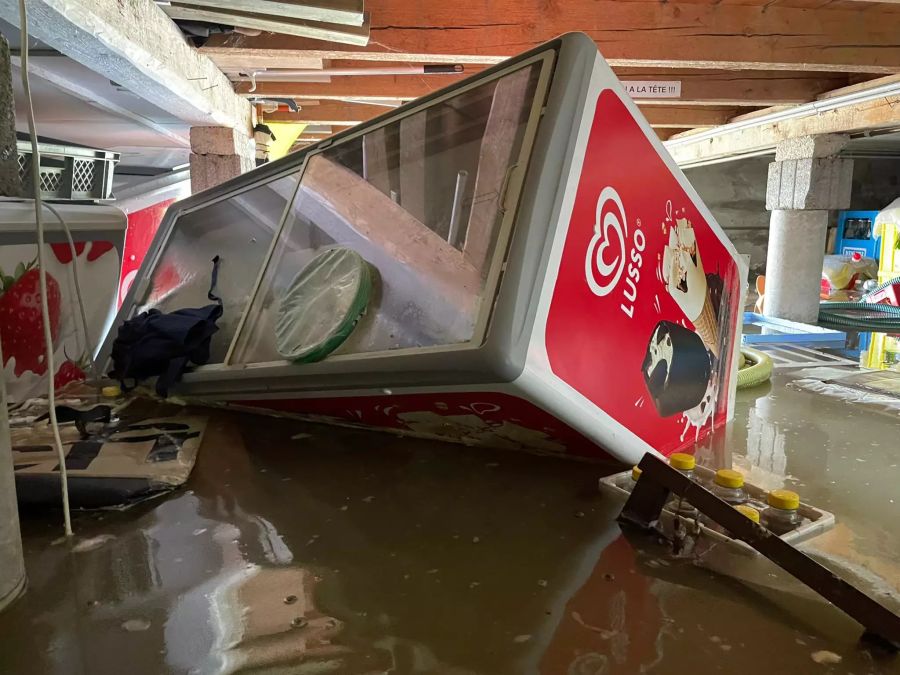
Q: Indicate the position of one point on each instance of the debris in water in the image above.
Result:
(368, 499)
(92, 543)
(826, 657)
(475, 540)
(290, 599)
(521, 638)
(199, 531)
(134, 625)
(474, 584)
(542, 583)
(579, 514)
(300, 437)
(604, 633)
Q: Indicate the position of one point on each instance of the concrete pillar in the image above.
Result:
(219, 154)
(794, 264)
(12, 564)
(806, 180)
(10, 183)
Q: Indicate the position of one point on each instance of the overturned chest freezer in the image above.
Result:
(513, 261)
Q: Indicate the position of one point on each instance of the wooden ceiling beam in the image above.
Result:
(335, 112)
(716, 88)
(874, 114)
(642, 33)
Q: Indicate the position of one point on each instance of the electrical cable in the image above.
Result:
(87, 337)
(42, 270)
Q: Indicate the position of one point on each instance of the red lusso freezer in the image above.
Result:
(514, 261)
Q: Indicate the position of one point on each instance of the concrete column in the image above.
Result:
(10, 183)
(794, 264)
(219, 154)
(12, 564)
(806, 180)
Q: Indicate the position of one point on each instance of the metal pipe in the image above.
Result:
(282, 74)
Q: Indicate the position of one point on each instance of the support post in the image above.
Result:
(219, 154)
(806, 180)
(10, 182)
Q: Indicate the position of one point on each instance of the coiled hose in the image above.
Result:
(756, 368)
(860, 316)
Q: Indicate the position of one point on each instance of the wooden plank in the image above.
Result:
(675, 117)
(722, 88)
(880, 113)
(860, 86)
(496, 156)
(331, 112)
(413, 169)
(328, 112)
(351, 35)
(636, 34)
(344, 12)
(235, 59)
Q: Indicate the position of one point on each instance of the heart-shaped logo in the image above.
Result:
(605, 258)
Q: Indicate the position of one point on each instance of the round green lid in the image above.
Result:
(322, 305)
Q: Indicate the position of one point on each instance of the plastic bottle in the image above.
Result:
(782, 515)
(728, 485)
(685, 464)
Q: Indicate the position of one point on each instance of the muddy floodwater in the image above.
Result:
(299, 548)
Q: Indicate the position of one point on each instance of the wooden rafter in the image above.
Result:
(641, 33)
(717, 88)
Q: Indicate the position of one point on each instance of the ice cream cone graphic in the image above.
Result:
(682, 271)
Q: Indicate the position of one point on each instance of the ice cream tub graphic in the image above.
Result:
(676, 368)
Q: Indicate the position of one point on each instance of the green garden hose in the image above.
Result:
(755, 369)
(860, 316)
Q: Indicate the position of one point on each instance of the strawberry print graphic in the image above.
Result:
(63, 252)
(21, 325)
(68, 371)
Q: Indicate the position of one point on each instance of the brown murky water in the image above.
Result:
(305, 549)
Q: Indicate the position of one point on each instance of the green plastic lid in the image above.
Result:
(322, 305)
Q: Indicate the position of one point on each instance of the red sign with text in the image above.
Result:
(642, 314)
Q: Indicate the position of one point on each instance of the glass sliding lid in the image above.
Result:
(421, 200)
(240, 230)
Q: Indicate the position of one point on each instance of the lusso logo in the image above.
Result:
(605, 260)
(605, 257)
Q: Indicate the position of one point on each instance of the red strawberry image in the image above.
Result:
(21, 325)
(63, 252)
(68, 371)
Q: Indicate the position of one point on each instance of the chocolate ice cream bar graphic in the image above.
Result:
(682, 271)
(676, 368)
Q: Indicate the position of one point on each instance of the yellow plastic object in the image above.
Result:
(682, 461)
(286, 134)
(729, 478)
(889, 260)
(111, 391)
(635, 473)
(748, 511)
(784, 499)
